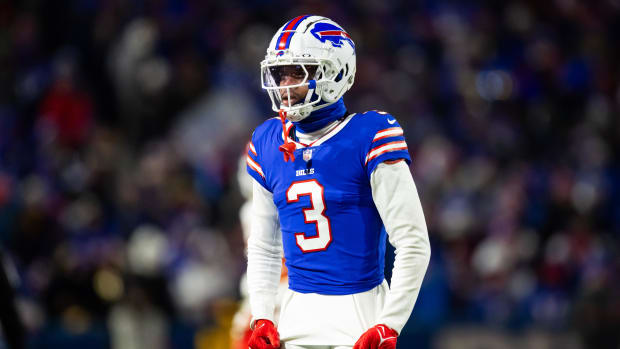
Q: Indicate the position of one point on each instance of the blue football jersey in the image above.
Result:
(332, 235)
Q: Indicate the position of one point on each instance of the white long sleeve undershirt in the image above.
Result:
(398, 204)
(264, 254)
(397, 201)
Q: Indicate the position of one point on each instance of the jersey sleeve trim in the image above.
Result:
(388, 132)
(254, 165)
(252, 149)
(385, 148)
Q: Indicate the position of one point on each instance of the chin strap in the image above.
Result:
(288, 148)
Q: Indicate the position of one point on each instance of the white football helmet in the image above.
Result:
(317, 52)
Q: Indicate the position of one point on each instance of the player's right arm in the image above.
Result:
(264, 243)
(264, 255)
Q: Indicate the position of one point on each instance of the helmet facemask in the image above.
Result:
(286, 96)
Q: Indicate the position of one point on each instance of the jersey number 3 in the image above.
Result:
(314, 214)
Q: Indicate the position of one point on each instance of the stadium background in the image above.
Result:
(122, 123)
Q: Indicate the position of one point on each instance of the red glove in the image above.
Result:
(377, 337)
(264, 336)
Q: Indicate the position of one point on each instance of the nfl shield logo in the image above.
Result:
(307, 154)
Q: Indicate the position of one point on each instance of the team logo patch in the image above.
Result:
(307, 155)
(329, 32)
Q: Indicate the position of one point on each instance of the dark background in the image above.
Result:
(122, 124)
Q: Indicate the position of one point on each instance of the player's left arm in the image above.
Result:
(397, 201)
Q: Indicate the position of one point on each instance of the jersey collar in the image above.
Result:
(330, 130)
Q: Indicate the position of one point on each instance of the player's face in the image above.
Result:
(289, 75)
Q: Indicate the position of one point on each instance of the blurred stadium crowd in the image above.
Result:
(122, 122)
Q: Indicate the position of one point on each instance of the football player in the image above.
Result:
(328, 185)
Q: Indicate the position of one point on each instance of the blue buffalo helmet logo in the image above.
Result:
(329, 32)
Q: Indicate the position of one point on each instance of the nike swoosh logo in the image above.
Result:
(391, 121)
(381, 330)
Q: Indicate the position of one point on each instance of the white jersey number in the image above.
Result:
(313, 214)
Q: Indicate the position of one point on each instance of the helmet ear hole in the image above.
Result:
(328, 93)
(340, 75)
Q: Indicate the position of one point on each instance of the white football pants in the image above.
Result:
(314, 321)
